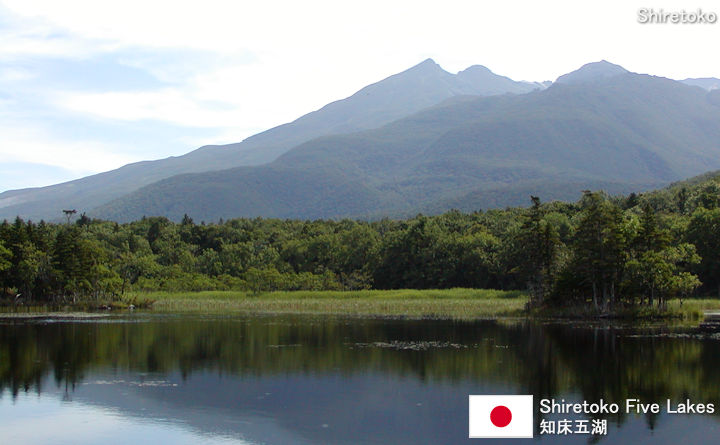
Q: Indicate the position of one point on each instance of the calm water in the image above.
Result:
(305, 380)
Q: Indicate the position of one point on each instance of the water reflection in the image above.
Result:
(334, 380)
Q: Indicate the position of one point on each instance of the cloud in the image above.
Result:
(224, 69)
(168, 105)
(230, 97)
(29, 144)
(523, 39)
(9, 75)
(19, 46)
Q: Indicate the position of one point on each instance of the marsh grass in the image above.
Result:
(695, 308)
(448, 303)
(688, 309)
(444, 303)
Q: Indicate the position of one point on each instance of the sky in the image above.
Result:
(88, 86)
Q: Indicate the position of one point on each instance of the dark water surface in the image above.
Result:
(140, 379)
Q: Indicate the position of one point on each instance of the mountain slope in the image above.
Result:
(708, 83)
(618, 129)
(400, 95)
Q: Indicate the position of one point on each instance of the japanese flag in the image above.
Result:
(501, 416)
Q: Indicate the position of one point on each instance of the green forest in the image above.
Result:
(604, 251)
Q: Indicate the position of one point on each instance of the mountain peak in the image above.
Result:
(429, 62)
(592, 72)
(476, 69)
(427, 65)
(482, 81)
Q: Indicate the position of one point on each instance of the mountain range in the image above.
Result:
(402, 94)
(424, 140)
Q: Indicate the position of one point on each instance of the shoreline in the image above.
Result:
(458, 304)
(53, 315)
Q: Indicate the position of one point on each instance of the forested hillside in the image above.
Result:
(397, 96)
(622, 132)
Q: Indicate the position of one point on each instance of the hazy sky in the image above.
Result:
(87, 86)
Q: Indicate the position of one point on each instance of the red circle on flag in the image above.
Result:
(500, 416)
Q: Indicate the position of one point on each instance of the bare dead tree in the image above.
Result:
(69, 213)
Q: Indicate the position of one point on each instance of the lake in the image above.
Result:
(241, 379)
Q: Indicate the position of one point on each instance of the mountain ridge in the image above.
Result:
(396, 96)
(628, 130)
(708, 83)
(592, 72)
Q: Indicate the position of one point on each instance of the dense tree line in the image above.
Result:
(638, 249)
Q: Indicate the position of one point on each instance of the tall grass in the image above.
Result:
(446, 303)
(432, 303)
(688, 309)
(695, 308)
